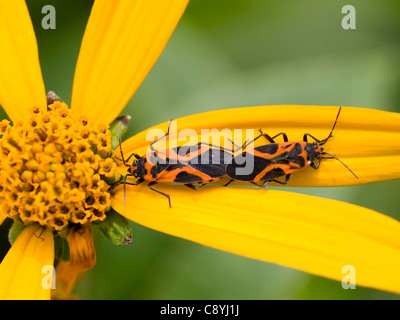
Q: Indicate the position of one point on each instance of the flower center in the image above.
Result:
(50, 168)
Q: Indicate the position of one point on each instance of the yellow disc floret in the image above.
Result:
(52, 168)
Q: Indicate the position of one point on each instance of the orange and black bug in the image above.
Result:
(191, 165)
(267, 162)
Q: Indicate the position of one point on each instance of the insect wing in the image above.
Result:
(194, 164)
(212, 162)
(246, 167)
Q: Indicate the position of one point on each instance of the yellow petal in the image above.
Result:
(315, 235)
(26, 271)
(122, 41)
(21, 82)
(82, 258)
(366, 140)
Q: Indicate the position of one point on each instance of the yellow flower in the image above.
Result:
(56, 165)
(107, 168)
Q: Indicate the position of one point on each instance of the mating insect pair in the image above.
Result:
(196, 165)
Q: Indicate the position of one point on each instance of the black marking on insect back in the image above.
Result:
(298, 148)
(185, 150)
(271, 148)
(282, 161)
(170, 167)
(213, 157)
(154, 158)
(185, 177)
(300, 161)
(241, 170)
(283, 158)
(212, 170)
(154, 172)
(292, 156)
(212, 162)
(274, 173)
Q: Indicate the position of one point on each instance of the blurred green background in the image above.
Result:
(235, 53)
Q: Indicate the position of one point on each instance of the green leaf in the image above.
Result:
(118, 129)
(115, 228)
(15, 231)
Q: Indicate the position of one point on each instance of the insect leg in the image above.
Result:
(40, 235)
(131, 184)
(317, 140)
(284, 182)
(267, 182)
(261, 186)
(229, 182)
(120, 182)
(217, 147)
(315, 166)
(252, 141)
(133, 154)
(193, 187)
(271, 139)
(127, 160)
(123, 181)
(262, 134)
(135, 183)
(151, 184)
(237, 147)
(163, 136)
(122, 154)
(266, 136)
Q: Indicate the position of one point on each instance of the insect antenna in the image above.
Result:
(331, 156)
(322, 142)
(120, 147)
(122, 155)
